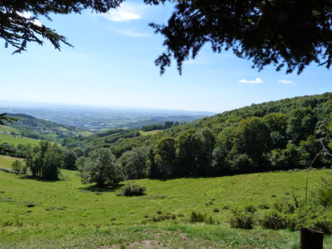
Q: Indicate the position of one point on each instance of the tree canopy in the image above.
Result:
(284, 33)
(19, 19)
(291, 33)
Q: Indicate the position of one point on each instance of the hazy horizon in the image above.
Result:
(112, 64)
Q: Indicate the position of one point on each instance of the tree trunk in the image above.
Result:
(311, 239)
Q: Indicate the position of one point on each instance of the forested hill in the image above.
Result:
(275, 135)
(32, 127)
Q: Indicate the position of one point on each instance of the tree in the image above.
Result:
(301, 124)
(18, 26)
(100, 168)
(165, 156)
(289, 33)
(52, 162)
(188, 148)
(44, 160)
(70, 159)
(133, 163)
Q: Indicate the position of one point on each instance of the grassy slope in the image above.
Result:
(15, 140)
(6, 161)
(6, 128)
(146, 133)
(69, 214)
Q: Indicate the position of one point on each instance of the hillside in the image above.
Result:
(276, 135)
(28, 126)
(68, 214)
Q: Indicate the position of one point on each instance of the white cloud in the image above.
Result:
(286, 82)
(27, 15)
(126, 12)
(256, 81)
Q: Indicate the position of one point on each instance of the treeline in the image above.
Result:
(152, 127)
(278, 135)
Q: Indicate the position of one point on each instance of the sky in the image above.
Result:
(112, 65)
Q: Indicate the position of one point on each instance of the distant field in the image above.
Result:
(6, 128)
(15, 140)
(85, 133)
(145, 133)
(6, 161)
(67, 214)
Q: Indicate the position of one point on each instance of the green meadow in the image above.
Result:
(146, 133)
(68, 214)
(16, 140)
(6, 128)
(6, 161)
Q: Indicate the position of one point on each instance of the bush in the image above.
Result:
(324, 193)
(132, 189)
(323, 224)
(199, 217)
(250, 209)
(275, 220)
(242, 219)
(196, 217)
(17, 166)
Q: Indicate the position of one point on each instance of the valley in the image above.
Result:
(247, 178)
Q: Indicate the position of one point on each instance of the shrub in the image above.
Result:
(242, 219)
(210, 221)
(132, 189)
(274, 220)
(199, 217)
(196, 217)
(323, 224)
(17, 166)
(264, 206)
(250, 209)
(324, 193)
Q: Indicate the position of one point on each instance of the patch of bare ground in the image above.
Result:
(173, 240)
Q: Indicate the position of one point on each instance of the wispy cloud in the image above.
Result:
(256, 81)
(132, 33)
(126, 12)
(286, 82)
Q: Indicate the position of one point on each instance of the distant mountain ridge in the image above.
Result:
(101, 119)
(32, 127)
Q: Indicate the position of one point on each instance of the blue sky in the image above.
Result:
(112, 65)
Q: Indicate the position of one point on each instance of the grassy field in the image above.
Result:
(6, 128)
(15, 140)
(146, 133)
(6, 161)
(85, 133)
(67, 214)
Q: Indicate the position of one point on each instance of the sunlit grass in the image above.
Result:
(68, 214)
(6, 128)
(16, 140)
(146, 133)
(6, 161)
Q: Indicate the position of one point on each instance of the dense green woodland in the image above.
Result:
(276, 135)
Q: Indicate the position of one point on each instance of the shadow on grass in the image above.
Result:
(95, 188)
(29, 177)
